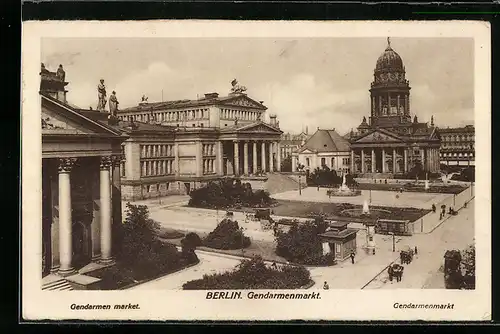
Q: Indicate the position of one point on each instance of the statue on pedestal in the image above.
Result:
(101, 94)
(237, 88)
(113, 104)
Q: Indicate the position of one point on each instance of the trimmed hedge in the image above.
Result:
(253, 274)
(227, 235)
(229, 193)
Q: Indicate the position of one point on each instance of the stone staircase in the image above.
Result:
(278, 183)
(57, 285)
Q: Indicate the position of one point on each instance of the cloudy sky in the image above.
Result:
(314, 82)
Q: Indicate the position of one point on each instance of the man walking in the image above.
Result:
(326, 286)
(352, 257)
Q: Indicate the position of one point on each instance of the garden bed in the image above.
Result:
(410, 187)
(120, 277)
(334, 210)
(254, 274)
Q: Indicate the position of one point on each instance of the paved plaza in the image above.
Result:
(378, 198)
(455, 232)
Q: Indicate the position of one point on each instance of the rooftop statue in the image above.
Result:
(113, 104)
(101, 94)
(236, 87)
(60, 73)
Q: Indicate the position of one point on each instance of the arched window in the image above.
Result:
(307, 162)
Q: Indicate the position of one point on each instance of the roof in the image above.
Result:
(326, 141)
(467, 128)
(209, 99)
(340, 234)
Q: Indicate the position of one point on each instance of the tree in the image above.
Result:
(324, 176)
(189, 244)
(468, 266)
(302, 243)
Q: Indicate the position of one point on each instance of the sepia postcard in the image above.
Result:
(230, 170)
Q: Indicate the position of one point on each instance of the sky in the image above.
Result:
(313, 82)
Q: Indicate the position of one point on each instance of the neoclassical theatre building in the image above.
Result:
(176, 146)
(81, 199)
(390, 142)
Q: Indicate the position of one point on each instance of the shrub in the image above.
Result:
(229, 193)
(302, 244)
(189, 244)
(324, 177)
(227, 235)
(253, 274)
(141, 251)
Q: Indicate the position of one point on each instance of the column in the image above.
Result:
(254, 157)
(236, 158)
(263, 156)
(199, 158)
(374, 162)
(405, 152)
(105, 201)
(352, 162)
(65, 221)
(398, 104)
(176, 160)
(422, 157)
(407, 104)
(116, 196)
(362, 161)
(394, 157)
(245, 157)
(220, 158)
(379, 105)
(383, 161)
(278, 156)
(271, 160)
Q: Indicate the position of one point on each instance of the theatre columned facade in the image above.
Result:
(391, 142)
(176, 146)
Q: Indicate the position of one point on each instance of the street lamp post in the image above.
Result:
(393, 241)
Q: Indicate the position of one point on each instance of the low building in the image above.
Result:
(457, 146)
(324, 148)
(81, 193)
(339, 240)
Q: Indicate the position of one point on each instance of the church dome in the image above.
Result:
(389, 60)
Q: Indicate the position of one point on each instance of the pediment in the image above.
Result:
(58, 118)
(306, 151)
(259, 128)
(379, 137)
(244, 101)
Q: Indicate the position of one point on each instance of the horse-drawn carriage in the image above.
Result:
(406, 255)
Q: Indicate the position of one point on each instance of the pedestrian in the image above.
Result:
(326, 286)
(416, 250)
(386, 181)
(465, 205)
(401, 257)
(433, 207)
(390, 272)
(352, 257)
(318, 188)
(440, 215)
(401, 273)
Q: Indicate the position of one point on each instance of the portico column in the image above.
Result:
(176, 160)
(294, 164)
(405, 152)
(352, 162)
(105, 201)
(278, 156)
(65, 220)
(236, 158)
(245, 158)
(254, 157)
(117, 195)
(373, 161)
(362, 161)
(394, 156)
(383, 160)
(271, 160)
(263, 156)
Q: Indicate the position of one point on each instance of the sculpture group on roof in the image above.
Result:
(237, 88)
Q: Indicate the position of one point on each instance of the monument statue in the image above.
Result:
(101, 94)
(60, 73)
(113, 104)
(144, 98)
(236, 87)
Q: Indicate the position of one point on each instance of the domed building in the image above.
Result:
(390, 142)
